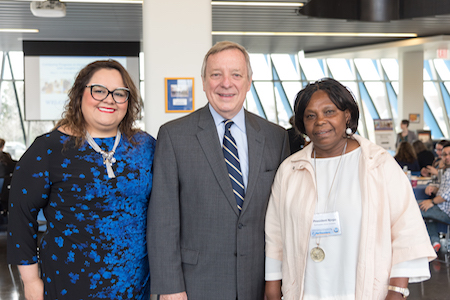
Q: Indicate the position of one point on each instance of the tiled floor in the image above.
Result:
(437, 288)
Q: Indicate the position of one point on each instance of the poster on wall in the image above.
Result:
(57, 75)
(384, 134)
(179, 95)
(414, 118)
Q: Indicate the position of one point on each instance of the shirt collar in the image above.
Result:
(238, 119)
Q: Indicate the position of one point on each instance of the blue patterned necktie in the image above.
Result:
(234, 167)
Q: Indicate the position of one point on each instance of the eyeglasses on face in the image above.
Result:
(100, 93)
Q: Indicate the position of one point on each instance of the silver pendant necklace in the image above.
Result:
(108, 157)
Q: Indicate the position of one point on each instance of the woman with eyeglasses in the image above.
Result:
(92, 177)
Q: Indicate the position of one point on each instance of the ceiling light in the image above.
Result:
(245, 3)
(356, 34)
(107, 1)
(97, 1)
(17, 30)
(48, 9)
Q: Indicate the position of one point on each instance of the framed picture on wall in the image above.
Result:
(179, 94)
(414, 118)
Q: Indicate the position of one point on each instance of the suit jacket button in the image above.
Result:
(235, 253)
(240, 225)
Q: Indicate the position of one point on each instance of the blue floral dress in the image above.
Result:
(95, 244)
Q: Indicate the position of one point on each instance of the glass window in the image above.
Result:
(353, 87)
(367, 69)
(266, 96)
(340, 69)
(312, 69)
(292, 89)
(377, 93)
(20, 85)
(283, 115)
(442, 69)
(250, 104)
(431, 95)
(11, 128)
(286, 66)
(369, 122)
(16, 58)
(261, 67)
(7, 70)
(390, 66)
(426, 74)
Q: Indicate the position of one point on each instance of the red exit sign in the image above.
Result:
(442, 53)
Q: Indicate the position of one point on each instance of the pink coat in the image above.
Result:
(392, 228)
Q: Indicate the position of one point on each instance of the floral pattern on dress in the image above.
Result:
(95, 243)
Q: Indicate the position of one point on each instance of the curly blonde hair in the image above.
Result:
(72, 117)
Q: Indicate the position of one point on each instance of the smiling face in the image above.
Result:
(446, 156)
(226, 82)
(325, 124)
(103, 117)
(439, 149)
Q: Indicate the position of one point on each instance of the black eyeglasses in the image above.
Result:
(100, 93)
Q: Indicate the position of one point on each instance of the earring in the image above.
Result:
(307, 139)
(348, 131)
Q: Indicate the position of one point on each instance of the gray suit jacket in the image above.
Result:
(198, 241)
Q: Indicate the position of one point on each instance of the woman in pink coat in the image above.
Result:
(342, 221)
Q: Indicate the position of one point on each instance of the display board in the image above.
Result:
(51, 69)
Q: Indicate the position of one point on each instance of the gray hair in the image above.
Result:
(225, 45)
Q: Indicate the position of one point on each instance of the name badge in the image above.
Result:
(326, 224)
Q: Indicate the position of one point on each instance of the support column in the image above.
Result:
(176, 37)
(410, 98)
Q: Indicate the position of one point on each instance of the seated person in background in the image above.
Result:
(407, 157)
(7, 165)
(424, 156)
(438, 207)
(438, 163)
(406, 135)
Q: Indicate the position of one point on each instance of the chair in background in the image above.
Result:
(445, 229)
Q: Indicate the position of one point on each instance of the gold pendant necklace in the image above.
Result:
(318, 254)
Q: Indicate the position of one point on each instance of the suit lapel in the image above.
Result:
(209, 141)
(256, 141)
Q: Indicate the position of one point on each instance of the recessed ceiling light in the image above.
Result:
(250, 3)
(16, 30)
(98, 1)
(356, 34)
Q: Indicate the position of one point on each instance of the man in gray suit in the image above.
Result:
(203, 243)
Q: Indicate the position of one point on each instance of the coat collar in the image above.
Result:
(372, 154)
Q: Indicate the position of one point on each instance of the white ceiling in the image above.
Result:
(123, 22)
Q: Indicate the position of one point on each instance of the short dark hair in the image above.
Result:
(339, 95)
(443, 143)
(406, 122)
